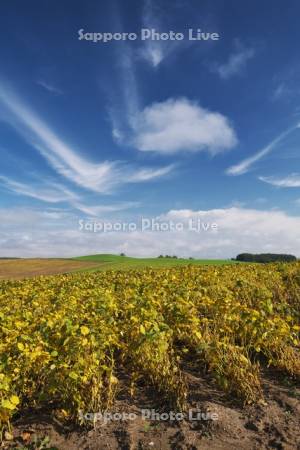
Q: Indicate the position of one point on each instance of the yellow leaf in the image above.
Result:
(8, 405)
(113, 379)
(14, 399)
(244, 359)
(85, 341)
(84, 330)
(73, 375)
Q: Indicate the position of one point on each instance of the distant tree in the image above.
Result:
(265, 257)
(160, 256)
(122, 254)
(191, 257)
(174, 256)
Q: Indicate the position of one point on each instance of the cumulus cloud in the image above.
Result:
(177, 125)
(36, 233)
(290, 181)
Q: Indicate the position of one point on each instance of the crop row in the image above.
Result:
(65, 339)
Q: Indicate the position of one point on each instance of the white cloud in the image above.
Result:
(287, 85)
(245, 165)
(32, 233)
(236, 62)
(129, 84)
(125, 104)
(178, 125)
(101, 177)
(290, 181)
(50, 87)
(57, 193)
(51, 193)
(281, 91)
(98, 210)
(149, 174)
(155, 51)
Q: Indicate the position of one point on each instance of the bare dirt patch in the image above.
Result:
(23, 268)
(272, 424)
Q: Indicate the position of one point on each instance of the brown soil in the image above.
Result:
(272, 424)
(23, 268)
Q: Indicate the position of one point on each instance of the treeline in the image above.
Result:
(8, 257)
(265, 257)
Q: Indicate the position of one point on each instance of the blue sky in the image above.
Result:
(111, 131)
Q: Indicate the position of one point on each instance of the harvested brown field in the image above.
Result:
(26, 268)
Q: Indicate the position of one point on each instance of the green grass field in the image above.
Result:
(107, 261)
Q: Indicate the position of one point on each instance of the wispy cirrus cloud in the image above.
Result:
(236, 62)
(149, 174)
(99, 210)
(290, 181)
(50, 87)
(245, 165)
(102, 177)
(285, 83)
(155, 51)
(152, 51)
(282, 91)
(123, 108)
(50, 193)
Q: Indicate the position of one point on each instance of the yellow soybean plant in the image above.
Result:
(65, 340)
